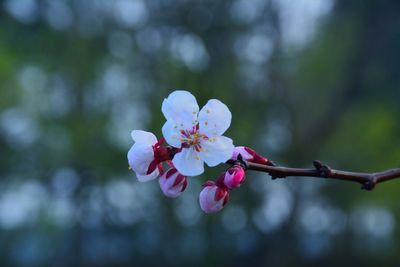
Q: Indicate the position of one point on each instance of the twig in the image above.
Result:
(367, 180)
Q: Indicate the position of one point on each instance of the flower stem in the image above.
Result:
(367, 180)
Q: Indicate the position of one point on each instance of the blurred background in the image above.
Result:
(304, 79)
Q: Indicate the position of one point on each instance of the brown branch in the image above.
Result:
(367, 180)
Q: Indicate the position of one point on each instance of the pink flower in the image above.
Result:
(213, 197)
(172, 183)
(248, 154)
(234, 176)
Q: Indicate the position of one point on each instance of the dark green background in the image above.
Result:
(304, 80)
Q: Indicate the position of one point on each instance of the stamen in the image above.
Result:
(192, 138)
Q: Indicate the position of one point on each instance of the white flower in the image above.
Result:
(141, 156)
(198, 134)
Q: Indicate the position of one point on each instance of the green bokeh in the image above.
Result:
(304, 80)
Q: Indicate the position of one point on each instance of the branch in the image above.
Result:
(367, 180)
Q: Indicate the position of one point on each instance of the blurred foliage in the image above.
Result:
(304, 80)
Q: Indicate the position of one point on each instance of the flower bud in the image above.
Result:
(248, 154)
(213, 197)
(234, 176)
(172, 183)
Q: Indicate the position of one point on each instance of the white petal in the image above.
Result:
(139, 158)
(171, 133)
(143, 137)
(216, 150)
(167, 185)
(188, 162)
(243, 152)
(214, 118)
(181, 107)
(149, 177)
(207, 200)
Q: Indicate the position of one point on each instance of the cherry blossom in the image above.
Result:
(198, 134)
(234, 176)
(172, 183)
(248, 154)
(145, 156)
(213, 197)
(195, 137)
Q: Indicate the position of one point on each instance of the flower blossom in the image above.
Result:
(213, 197)
(146, 155)
(248, 154)
(234, 176)
(198, 134)
(172, 183)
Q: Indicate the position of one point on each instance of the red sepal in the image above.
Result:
(170, 172)
(160, 168)
(184, 185)
(160, 153)
(220, 193)
(256, 158)
(220, 181)
(179, 179)
(225, 200)
(159, 142)
(209, 183)
(153, 165)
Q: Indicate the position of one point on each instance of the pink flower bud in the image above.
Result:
(248, 154)
(234, 176)
(172, 183)
(213, 197)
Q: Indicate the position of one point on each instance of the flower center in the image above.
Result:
(192, 138)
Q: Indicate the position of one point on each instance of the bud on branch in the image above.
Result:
(195, 137)
(367, 180)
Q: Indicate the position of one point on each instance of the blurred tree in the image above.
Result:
(303, 79)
